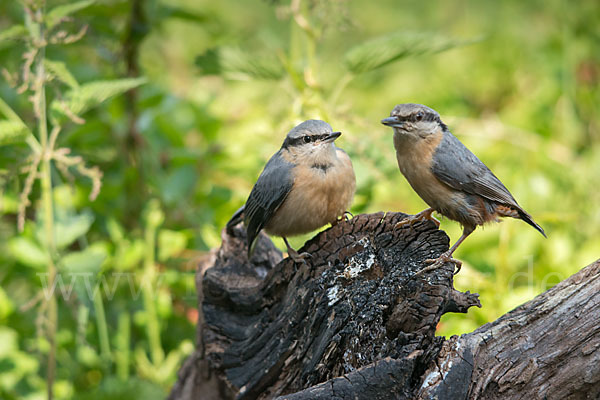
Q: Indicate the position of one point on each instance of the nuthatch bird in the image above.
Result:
(308, 183)
(447, 176)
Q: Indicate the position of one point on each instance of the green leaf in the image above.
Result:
(60, 71)
(209, 62)
(79, 272)
(12, 116)
(13, 33)
(168, 11)
(67, 228)
(86, 261)
(27, 252)
(71, 228)
(387, 49)
(170, 243)
(12, 132)
(6, 305)
(129, 254)
(9, 342)
(55, 15)
(238, 64)
(178, 183)
(92, 94)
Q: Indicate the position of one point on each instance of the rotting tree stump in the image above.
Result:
(355, 322)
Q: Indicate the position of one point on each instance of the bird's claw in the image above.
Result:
(422, 216)
(343, 217)
(440, 262)
(299, 257)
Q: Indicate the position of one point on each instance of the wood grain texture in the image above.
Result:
(354, 323)
(546, 348)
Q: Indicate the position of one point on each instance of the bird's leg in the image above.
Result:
(294, 255)
(423, 215)
(447, 256)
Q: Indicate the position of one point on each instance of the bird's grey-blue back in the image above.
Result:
(459, 168)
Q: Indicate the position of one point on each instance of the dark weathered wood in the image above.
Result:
(354, 322)
(547, 348)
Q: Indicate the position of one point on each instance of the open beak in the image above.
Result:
(332, 136)
(393, 122)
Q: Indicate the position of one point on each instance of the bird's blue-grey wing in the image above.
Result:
(456, 166)
(267, 195)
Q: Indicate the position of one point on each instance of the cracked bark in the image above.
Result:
(354, 322)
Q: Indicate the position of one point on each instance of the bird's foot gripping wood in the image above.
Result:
(425, 215)
(440, 262)
(344, 217)
(299, 258)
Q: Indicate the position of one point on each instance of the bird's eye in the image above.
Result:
(307, 139)
(419, 116)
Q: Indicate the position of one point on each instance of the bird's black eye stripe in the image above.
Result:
(304, 139)
(419, 116)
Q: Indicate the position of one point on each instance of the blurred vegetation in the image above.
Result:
(173, 107)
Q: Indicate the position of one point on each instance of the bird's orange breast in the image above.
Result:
(414, 158)
(320, 195)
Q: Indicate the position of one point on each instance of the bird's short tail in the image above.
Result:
(237, 217)
(527, 218)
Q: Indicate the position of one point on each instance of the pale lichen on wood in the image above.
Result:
(355, 322)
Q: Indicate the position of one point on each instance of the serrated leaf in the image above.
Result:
(55, 15)
(12, 132)
(61, 72)
(387, 49)
(27, 252)
(13, 33)
(238, 64)
(13, 117)
(91, 94)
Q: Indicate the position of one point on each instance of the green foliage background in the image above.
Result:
(517, 82)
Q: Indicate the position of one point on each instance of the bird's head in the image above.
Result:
(311, 140)
(414, 120)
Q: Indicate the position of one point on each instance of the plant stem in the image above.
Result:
(153, 220)
(122, 345)
(47, 203)
(339, 87)
(102, 328)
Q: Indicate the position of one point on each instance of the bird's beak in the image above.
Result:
(332, 136)
(393, 122)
